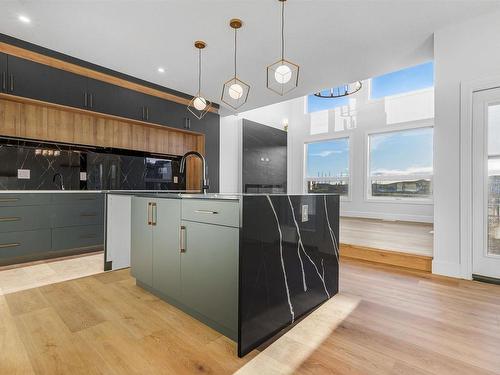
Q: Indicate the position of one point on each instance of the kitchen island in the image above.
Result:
(247, 265)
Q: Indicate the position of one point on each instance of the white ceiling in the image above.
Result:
(334, 41)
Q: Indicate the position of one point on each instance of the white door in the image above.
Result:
(486, 183)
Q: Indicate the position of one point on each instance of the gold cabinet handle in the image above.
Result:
(5, 245)
(149, 214)
(90, 214)
(5, 200)
(154, 213)
(182, 239)
(83, 236)
(206, 212)
(6, 219)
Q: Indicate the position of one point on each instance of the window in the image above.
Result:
(400, 163)
(405, 80)
(315, 104)
(327, 166)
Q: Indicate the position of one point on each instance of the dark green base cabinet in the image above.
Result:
(188, 256)
(35, 226)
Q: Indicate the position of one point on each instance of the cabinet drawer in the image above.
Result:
(211, 211)
(24, 199)
(77, 213)
(63, 198)
(17, 219)
(20, 244)
(75, 237)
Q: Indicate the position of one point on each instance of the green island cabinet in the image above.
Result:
(186, 252)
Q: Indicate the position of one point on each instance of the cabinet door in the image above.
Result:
(166, 246)
(3, 72)
(141, 253)
(37, 81)
(209, 272)
(114, 100)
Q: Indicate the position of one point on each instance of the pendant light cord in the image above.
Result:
(235, 50)
(199, 71)
(282, 30)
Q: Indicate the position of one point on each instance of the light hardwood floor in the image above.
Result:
(32, 275)
(408, 237)
(384, 321)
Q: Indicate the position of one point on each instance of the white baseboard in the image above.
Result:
(388, 216)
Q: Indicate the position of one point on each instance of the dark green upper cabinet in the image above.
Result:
(37, 81)
(3, 72)
(164, 112)
(106, 98)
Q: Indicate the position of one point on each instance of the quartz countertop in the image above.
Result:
(173, 194)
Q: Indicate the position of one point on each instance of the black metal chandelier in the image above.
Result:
(340, 91)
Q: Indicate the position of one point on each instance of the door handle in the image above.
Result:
(182, 239)
(154, 213)
(91, 100)
(143, 113)
(147, 113)
(4, 81)
(149, 214)
(11, 84)
(85, 100)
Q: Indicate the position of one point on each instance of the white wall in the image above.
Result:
(394, 112)
(462, 53)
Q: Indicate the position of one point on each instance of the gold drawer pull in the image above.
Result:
(87, 199)
(88, 214)
(5, 245)
(84, 236)
(206, 212)
(5, 200)
(5, 219)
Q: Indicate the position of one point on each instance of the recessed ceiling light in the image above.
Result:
(24, 19)
(161, 70)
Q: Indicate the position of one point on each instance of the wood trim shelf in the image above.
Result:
(76, 69)
(393, 258)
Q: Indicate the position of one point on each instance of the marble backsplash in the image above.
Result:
(32, 165)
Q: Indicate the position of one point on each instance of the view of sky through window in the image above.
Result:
(328, 158)
(401, 153)
(315, 104)
(405, 80)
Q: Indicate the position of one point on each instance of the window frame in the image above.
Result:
(325, 137)
(368, 197)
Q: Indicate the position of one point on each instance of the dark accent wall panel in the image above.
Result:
(264, 158)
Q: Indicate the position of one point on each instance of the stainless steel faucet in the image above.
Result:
(61, 180)
(204, 181)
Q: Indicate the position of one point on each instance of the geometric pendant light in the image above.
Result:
(235, 91)
(199, 105)
(283, 75)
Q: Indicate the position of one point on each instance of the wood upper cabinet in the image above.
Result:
(10, 118)
(3, 72)
(37, 81)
